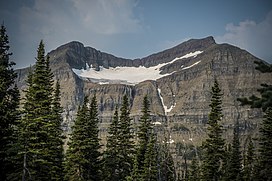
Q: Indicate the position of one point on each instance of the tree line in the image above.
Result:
(31, 138)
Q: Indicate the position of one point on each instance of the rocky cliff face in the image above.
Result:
(179, 99)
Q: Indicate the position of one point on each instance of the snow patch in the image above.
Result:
(184, 68)
(157, 123)
(128, 75)
(170, 141)
(166, 110)
(170, 109)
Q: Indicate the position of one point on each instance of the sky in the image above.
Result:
(135, 28)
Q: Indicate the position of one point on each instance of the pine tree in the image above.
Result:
(57, 152)
(249, 161)
(234, 168)
(166, 163)
(265, 101)
(82, 157)
(75, 156)
(37, 127)
(40, 151)
(194, 170)
(226, 161)
(145, 163)
(144, 134)
(9, 102)
(125, 141)
(150, 168)
(263, 168)
(214, 144)
(94, 155)
(111, 159)
(265, 150)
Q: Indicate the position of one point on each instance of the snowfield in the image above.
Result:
(166, 110)
(129, 75)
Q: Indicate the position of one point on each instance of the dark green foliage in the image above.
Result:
(249, 162)
(143, 139)
(35, 123)
(83, 157)
(166, 163)
(226, 161)
(194, 174)
(9, 102)
(145, 163)
(265, 101)
(263, 67)
(265, 142)
(94, 155)
(111, 159)
(56, 150)
(40, 154)
(150, 167)
(125, 141)
(75, 155)
(262, 170)
(234, 167)
(118, 157)
(213, 147)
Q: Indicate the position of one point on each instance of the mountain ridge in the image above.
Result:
(181, 97)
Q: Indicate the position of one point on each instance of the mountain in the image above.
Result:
(177, 81)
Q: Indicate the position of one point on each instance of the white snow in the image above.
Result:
(191, 65)
(170, 109)
(157, 123)
(164, 107)
(128, 75)
(170, 140)
(166, 110)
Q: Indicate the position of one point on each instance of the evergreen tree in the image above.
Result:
(234, 168)
(111, 160)
(9, 102)
(37, 128)
(94, 155)
(145, 163)
(150, 168)
(265, 150)
(214, 145)
(57, 152)
(82, 157)
(263, 168)
(265, 101)
(226, 161)
(144, 134)
(166, 163)
(75, 156)
(249, 162)
(125, 141)
(194, 174)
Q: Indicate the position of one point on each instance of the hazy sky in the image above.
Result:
(135, 28)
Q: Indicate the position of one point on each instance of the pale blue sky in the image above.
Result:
(135, 28)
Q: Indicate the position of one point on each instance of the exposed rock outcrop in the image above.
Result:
(181, 97)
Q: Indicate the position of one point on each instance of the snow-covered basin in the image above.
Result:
(131, 75)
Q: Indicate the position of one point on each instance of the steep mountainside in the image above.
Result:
(177, 82)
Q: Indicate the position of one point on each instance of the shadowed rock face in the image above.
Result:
(181, 98)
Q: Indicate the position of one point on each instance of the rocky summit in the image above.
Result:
(177, 81)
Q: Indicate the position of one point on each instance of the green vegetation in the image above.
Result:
(9, 103)
(214, 144)
(39, 134)
(31, 139)
(83, 156)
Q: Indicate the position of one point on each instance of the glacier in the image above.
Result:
(129, 75)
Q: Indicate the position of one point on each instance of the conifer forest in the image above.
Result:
(32, 139)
